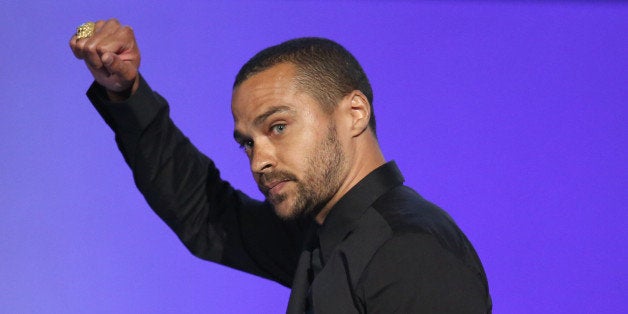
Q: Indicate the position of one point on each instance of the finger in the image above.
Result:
(122, 43)
(120, 55)
(78, 44)
(74, 47)
(90, 47)
(87, 48)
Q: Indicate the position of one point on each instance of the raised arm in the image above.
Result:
(183, 186)
(111, 55)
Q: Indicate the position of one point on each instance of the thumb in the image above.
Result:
(125, 70)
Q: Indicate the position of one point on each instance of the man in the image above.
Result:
(338, 226)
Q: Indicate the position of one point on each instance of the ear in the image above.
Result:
(360, 112)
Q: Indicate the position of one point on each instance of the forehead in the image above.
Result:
(272, 87)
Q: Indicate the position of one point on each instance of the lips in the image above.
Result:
(273, 187)
(273, 182)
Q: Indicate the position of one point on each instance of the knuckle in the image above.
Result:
(91, 48)
(79, 45)
(127, 31)
(101, 50)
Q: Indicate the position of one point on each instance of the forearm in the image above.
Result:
(168, 170)
(214, 221)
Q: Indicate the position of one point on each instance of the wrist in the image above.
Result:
(118, 96)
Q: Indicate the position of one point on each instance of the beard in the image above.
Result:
(321, 180)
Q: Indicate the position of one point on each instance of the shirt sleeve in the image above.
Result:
(213, 220)
(413, 273)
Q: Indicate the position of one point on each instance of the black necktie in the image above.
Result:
(316, 264)
(310, 264)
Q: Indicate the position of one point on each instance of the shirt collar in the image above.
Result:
(343, 217)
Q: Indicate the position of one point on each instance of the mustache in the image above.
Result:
(275, 176)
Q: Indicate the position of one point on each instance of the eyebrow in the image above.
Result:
(238, 137)
(261, 118)
(271, 111)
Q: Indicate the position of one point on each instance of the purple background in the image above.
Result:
(510, 115)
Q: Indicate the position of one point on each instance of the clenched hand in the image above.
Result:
(112, 56)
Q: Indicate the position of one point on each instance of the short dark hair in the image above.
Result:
(325, 69)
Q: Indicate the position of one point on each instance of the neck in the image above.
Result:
(369, 158)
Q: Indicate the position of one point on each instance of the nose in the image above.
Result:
(262, 157)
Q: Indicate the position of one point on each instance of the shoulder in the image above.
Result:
(426, 261)
(414, 273)
(421, 230)
(406, 212)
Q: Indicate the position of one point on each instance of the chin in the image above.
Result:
(285, 211)
(286, 216)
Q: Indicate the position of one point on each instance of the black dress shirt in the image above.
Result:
(381, 249)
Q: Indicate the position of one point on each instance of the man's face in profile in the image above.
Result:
(291, 142)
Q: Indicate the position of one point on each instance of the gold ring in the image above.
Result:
(85, 30)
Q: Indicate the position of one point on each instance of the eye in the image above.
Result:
(246, 145)
(278, 128)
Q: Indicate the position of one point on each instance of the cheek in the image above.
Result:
(296, 151)
(306, 140)
(298, 148)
